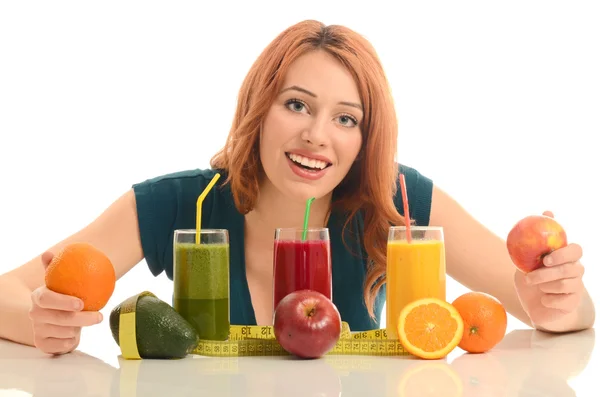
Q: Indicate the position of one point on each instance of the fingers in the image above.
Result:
(571, 253)
(563, 302)
(548, 213)
(563, 286)
(553, 273)
(65, 318)
(48, 299)
(56, 331)
(57, 320)
(47, 258)
(56, 345)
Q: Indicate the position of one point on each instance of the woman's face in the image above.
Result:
(311, 135)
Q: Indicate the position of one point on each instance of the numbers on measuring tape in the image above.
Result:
(267, 332)
(248, 340)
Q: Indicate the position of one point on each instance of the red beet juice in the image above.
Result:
(301, 265)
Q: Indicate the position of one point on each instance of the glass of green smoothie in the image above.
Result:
(201, 280)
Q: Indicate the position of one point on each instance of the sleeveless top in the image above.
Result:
(168, 202)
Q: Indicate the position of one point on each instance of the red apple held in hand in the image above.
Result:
(532, 238)
(307, 324)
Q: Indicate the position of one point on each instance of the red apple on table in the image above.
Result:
(532, 238)
(307, 324)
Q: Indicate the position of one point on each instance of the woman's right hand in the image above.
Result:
(57, 319)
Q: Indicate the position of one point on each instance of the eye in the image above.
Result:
(295, 105)
(347, 120)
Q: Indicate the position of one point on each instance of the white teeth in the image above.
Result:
(312, 163)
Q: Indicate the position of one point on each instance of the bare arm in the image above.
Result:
(115, 232)
(478, 259)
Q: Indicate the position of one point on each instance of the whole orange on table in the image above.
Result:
(83, 271)
(485, 321)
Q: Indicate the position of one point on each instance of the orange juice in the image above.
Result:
(415, 270)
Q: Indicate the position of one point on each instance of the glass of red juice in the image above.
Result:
(300, 263)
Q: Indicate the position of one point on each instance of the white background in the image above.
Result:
(497, 101)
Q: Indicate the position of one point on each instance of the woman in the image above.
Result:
(315, 118)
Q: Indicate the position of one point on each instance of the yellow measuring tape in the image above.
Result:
(253, 340)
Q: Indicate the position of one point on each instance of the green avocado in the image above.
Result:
(161, 332)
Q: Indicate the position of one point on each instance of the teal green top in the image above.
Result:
(168, 202)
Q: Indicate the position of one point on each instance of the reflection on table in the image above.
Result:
(526, 362)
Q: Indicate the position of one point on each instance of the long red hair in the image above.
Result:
(370, 184)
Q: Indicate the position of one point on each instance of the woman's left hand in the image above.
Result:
(554, 290)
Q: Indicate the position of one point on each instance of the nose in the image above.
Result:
(316, 133)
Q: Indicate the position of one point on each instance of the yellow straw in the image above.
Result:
(199, 205)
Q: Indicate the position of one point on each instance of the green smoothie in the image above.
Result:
(201, 293)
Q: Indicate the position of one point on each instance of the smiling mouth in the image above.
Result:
(307, 163)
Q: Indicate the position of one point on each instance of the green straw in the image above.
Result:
(306, 215)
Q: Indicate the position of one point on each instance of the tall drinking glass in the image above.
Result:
(201, 281)
(415, 269)
(301, 264)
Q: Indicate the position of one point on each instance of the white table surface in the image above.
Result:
(525, 363)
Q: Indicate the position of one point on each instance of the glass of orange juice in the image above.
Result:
(415, 269)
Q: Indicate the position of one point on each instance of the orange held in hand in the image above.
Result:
(484, 319)
(84, 271)
(430, 328)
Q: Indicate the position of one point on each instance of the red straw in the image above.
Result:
(405, 202)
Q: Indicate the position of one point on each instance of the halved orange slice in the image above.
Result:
(430, 328)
